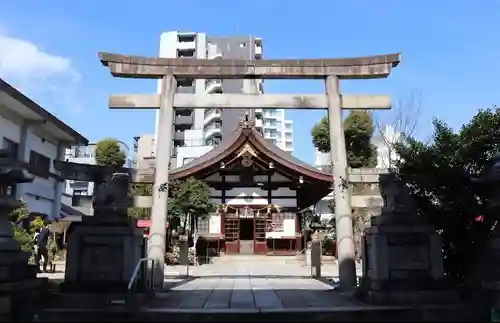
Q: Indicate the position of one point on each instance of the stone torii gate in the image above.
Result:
(330, 70)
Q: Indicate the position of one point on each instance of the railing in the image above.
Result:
(146, 277)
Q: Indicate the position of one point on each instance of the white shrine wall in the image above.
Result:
(288, 229)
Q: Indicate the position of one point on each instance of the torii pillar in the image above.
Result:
(343, 210)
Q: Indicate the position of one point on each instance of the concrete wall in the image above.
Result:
(42, 195)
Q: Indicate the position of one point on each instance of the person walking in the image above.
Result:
(41, 246)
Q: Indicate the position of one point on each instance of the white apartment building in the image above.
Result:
(197, 131)
(35, 137)
(277, 130)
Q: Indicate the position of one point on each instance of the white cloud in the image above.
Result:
(49, 78)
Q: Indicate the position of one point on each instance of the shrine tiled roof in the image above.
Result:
(247, 133)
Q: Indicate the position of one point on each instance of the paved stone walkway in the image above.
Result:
(252, 282)
(245, 282)
(250, 293)
(255, 266)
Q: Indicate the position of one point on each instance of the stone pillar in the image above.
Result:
(157, 235)
(316, 256)
(183, 250)
(343, 214)
(22, 155)
(58, 186)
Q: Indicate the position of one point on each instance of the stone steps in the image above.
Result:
(336, 314)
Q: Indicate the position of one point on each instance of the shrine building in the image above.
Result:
(259, 190)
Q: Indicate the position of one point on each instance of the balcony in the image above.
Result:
(258, 123)
(211, 115)
(271, 125)
(213, 129)
(184, 120)
(213, 86)
(270, 115)
(271, 135)
(179, 135)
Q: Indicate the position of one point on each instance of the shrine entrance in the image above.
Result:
(245, 232)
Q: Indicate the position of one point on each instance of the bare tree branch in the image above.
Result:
(403, 122)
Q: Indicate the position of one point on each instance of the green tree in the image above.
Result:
(358, 131)
(23, 235)
(23, 231)
(19, 213)
(108, 153)
(189, 199)
(439, 175)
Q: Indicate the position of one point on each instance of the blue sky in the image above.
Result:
(450, 50)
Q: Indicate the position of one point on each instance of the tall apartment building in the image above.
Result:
(197, 131)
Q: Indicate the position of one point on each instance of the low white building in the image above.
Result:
(36, 137)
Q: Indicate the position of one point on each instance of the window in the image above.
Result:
(79, 185)
(187, 160)
(203, 225)
(12, 147)
(40, 161)
(185, 53)
(182, 38)
(184, 82)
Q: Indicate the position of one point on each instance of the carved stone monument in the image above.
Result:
(488, 270)
(402, 256)
(18, 280)
(104, 249)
